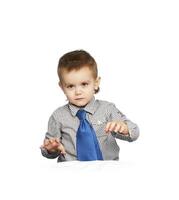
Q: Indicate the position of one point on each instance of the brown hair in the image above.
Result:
(76, 60)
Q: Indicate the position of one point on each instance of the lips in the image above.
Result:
(79, 99)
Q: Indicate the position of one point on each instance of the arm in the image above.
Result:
(132, 132)
(53, 133)
(50, 147)
(48, 154)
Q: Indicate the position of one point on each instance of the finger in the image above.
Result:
(48, 147)
(122, 128)
(61, 148)
(57, 140)
(125, 130)
(112, 126)
(46, 142)
(117, 128)
(52, 147)
(54, 144)
(107, 127)
(51, 140)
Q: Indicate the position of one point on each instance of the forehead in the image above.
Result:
(82, 74)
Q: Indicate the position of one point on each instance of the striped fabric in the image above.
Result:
(63, 124)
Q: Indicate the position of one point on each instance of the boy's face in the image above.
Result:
(79, 85)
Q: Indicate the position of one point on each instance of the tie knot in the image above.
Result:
(81, 114)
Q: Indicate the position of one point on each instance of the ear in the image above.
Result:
(60, 84)
(97, 83)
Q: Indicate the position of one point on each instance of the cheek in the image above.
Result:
(68, 93)
(90, 91)
(92, 88)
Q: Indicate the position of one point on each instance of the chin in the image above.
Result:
(80, 104)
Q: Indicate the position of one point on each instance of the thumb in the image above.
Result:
(61, 148)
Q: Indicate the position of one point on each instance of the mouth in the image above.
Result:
(78, 99)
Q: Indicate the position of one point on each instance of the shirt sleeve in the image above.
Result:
(53, 131)
(54, 128)
(115, 114)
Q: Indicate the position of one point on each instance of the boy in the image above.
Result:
(84, 129)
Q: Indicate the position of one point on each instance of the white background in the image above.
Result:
(136, 46)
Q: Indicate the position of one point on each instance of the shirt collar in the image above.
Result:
(90, 107)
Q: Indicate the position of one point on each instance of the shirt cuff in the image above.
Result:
(48, 154)
(133, 133)
(122, 136)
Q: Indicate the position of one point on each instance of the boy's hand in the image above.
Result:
(53, 145)
(117, 126)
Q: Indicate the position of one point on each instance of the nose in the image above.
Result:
(77, 90)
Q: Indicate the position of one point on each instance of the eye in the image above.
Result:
(70, 86)
(84, 84)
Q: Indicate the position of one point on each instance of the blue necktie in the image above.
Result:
(86, 141)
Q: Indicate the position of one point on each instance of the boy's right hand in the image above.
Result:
(53, 145)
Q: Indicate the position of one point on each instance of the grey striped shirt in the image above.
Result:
(63, 124)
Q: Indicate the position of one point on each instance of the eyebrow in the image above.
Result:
(85, 81)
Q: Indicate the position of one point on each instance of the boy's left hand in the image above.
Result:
(117, 126)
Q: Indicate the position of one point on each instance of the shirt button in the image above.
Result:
(99, 122)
